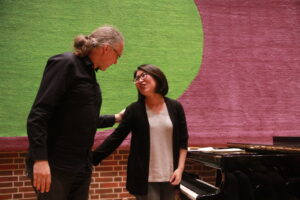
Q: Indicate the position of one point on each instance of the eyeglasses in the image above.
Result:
(141, 77)
(117, 53)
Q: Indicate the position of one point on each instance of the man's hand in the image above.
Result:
(41, 176)
(119, 116)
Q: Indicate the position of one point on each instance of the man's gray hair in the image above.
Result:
(106, 34)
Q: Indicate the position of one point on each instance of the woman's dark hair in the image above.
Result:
(160, 78)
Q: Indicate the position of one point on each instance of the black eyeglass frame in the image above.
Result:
(139, 78)
(117, 53)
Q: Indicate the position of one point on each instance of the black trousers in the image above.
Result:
(67, 186)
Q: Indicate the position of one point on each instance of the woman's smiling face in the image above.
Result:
(145, 83)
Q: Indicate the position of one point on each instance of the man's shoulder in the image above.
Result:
(62, 61)
(67, 56)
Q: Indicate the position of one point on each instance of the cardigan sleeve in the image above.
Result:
(113, 141)
(183, 127)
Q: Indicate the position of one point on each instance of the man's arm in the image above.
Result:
(56, 79)
(109, 120)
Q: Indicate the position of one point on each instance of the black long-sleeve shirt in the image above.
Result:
(65, 115)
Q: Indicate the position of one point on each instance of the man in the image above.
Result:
(65, 115)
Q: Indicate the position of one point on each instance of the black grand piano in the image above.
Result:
(246, 172)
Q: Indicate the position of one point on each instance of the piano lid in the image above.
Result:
(291, 141)
(281, 144)
(269, 148)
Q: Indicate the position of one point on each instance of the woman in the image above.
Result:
(159, 138)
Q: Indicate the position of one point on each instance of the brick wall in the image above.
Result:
(108, 180)
(13, 182)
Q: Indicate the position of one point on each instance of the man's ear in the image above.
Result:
(105, 48)
(100, 50)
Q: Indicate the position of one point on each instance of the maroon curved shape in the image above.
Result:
(248, 87)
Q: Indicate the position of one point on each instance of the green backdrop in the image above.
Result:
(165, 33)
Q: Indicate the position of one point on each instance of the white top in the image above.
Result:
(161, 146)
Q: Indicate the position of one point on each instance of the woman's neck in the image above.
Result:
(155, 102)
(154, 99)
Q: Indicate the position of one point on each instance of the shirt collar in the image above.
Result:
(87, 61)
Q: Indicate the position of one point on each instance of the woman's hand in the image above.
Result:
(176, 177)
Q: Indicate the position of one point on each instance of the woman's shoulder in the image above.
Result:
(172, 102)
(135, 105)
